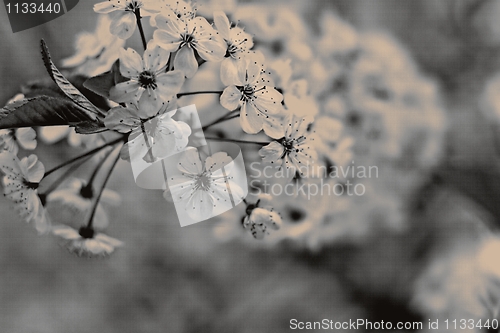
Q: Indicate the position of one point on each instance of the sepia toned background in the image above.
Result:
(172, 279)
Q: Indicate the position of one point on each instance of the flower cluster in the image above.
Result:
(358, 102)
(126, 107)
(306, 111)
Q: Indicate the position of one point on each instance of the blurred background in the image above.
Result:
(423, 244)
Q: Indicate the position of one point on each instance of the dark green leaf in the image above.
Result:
(12, 106)
(42, 111)
(69, 90)
(48, 87)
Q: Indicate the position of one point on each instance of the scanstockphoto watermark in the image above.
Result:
(308, 190)
(306, 170)
(345, 186)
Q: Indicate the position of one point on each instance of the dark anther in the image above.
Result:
(86, 232)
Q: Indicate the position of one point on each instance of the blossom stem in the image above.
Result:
(150, 152)
(238, 141)
(227, 116)
(77, 158)
(96, 170)
(139, 25)
(65, 175)
(199, 92)
(171, 61)
(101, 189)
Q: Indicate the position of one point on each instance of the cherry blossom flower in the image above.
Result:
(261, 216)
(283, 29)
(166, 134)
(183, 10)
(86, 242)
(95, 51)
(78, 197)
(295, 147)
(187, 36)
(149, 84)
(12, 139)
(203, 186)
(238, 41)
(20, 181)
(332, 144)
(125, 119)
(123, 14)
(254, 92)
(337, 36)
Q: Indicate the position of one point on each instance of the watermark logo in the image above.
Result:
(170, 153)
(315, 180)
(26, 14)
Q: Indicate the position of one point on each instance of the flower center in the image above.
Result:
(147, 79)
(288, 144)
(86, 232)
(30, 185)
(86, 192)
(187, 39)
(296, 215)
(203, 182)
(133, 5)
(248, 92)
(250, 208)
(234, 48)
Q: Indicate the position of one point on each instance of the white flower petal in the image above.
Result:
(222, 23)
(126, 91)
(248, 71)
(169, 84)
(168, 41)
(123, 24)
(212, 49)
(26, 137)
(35, 168)
(185, 61)
(155, 58)
(180, 187)
(121, 119)
(111, 197)
(200, 206)
(107, 7)
(65, 232)
(273, 127)
(251, 120)
(190, 162)
(229, 72)
(53, 134)
(272, 153)
(41, 219)
(268, 100)
(149, 103)
(108, 240)
(217, 161)
(230, 98)
(130, 63)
